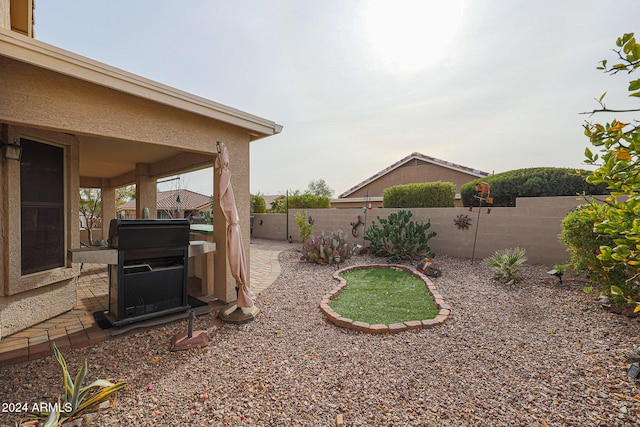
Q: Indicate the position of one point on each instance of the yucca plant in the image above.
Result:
(507, 264)
(77, 399)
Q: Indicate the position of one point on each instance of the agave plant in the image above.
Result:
(77, 398)
(507, 264)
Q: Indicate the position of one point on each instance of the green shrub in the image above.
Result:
(507, 264)
(584, 243)
(399, 237)
(533, 182)
(327, 250)
(258, 204)
(420, 195)
(306, 227)
(309, 201)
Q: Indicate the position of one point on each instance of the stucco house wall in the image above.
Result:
(115, 129)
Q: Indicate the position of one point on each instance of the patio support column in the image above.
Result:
(108, 208)
(5, 16)
(146, 192)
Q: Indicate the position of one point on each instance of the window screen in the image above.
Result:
(41, 206)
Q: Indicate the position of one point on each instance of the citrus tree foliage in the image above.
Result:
(618, 161)
(583, 242)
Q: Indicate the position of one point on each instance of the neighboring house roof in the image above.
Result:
(414, 156)
(189, 201)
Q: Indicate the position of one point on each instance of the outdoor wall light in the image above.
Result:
(634, 369)
(11, 151)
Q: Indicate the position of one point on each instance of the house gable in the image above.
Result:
(413, 169)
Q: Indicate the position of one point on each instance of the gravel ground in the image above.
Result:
(536, 354)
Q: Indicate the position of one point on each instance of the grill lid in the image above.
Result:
(127, 234)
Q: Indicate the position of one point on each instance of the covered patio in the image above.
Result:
(78, 328)
(77, 123)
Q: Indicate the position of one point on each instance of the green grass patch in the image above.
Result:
(384, 295)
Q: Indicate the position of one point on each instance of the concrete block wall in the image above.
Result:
(533, 224)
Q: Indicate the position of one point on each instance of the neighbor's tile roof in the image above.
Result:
(412, 156)
(189, 200)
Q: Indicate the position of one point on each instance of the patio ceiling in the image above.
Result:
(113, 162)
(104, 158)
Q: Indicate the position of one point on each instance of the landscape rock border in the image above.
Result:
(343, 322)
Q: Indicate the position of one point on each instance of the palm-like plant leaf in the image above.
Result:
(66, 378)
(78, 398)
(507, 264)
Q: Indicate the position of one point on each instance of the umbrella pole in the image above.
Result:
(232, 312)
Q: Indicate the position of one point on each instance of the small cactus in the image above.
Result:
(323, 250)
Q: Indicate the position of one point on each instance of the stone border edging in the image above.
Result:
(343, 322)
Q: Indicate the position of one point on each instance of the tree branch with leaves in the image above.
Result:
(618, 166)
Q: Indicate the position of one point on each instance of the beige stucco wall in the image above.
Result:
(55, 96)
(52, 100)
(30, 299)
(534, 224)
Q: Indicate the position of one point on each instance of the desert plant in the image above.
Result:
(77, 399)
(507, 264)
(327, 250)
(306, 226)
(399, 237)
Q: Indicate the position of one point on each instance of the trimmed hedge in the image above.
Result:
(420, 195)
(532, 182)
(309, 201)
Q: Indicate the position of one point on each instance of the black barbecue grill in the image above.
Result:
(150, 278)
(147, 263)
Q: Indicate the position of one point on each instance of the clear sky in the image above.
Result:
(359, 84)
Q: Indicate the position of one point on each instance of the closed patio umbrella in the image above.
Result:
(235, 247)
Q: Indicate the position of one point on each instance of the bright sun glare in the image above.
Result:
(411, 35)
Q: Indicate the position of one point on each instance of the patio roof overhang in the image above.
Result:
(119, 118)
